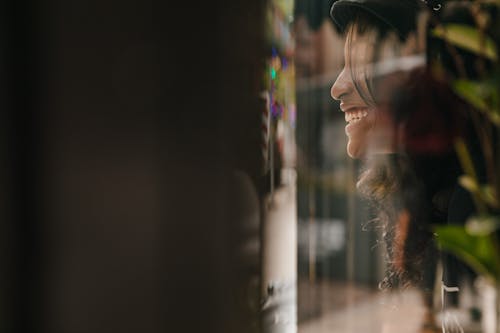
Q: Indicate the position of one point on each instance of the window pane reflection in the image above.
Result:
(387, 125)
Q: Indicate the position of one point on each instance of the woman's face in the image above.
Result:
(368, 129)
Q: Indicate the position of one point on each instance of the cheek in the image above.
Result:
(366, 136)
(359, 139)
(383, 121)
(365, 127)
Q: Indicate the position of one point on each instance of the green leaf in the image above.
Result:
(482, 225)
(468, 38)
(488, 194)
(465, 159)
(477, 94)
(468, 183)
(478, 251)
(484, 193)
(470, 179)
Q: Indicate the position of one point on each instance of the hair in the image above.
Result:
(397, 198)
(407, 195)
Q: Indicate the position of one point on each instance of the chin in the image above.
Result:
(354, 151)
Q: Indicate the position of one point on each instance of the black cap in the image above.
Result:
(399, 15)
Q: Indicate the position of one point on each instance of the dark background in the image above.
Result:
(122, 123)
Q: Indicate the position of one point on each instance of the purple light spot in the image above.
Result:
(284, 63)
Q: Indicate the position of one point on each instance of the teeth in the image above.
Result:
(355, 116)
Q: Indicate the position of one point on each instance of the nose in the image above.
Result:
(342, 86)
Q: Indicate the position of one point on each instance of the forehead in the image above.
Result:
(367, 41)
(359, 44)
(361, 34)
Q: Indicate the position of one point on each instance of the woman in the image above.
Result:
(371, 41)
(401, 122)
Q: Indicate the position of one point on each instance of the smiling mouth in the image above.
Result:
(355, 115)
